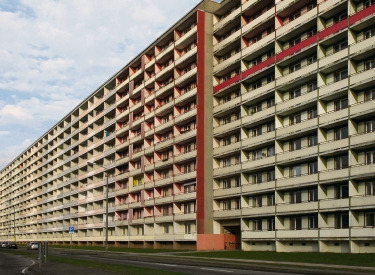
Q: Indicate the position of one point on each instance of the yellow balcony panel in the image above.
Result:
(186, 36)
(297, 207)
(250, 95)
(253, 235)
(292, 103)
(256, 187)
(227, 170)
(227, 127)
(333, 174)
(363, 232)
(362, 46)
(362, 77)
(334, 145)
(185, 217)
(228, 148)
(227, 105)
(307, 70)
(333, 87)
(222, 214)
(293, 155)
(185, 196)
(333, 58)
(366, 138)
(362, 170)
(300, 234)
(333, 117)
(299, 127)
(185, 116)
(256, 117)
(258, 139)
(363, 108)
(297, 22)
(159, 219)
(226, 63)
(256, 211)
(227, 40)
(186, 76)
(185, 176)
(227, 19)
(334, 233)
(227, 192)
(258, 45)
(293, 181)
(266, 161)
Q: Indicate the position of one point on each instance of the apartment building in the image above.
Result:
(248, 124)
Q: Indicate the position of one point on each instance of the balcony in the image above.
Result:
(334, 145)
(333, 87)
(333, 58)
(296, 181)
(252, 141)
(258, 116)
(256, 187)
(185, 176)
(228, 148)
(164, 162)
(186, 95)
(329, 204)
(297, 154)
(182, 117)
(362, 46)
(227, 127)
(186, 36)
(137, 73)
(163, 200)
(300, 234)
(301, 100)
(266, 161)
(159, 219)
(164, 51)
(258, 211)
(297, 22)
(258, 45)
(165, 70)
(297, 207)
(362, 232)
(227, 170)
(334, 175)
(186, 76)
(185, 196)
(163, 181)
(362, 77)
(163, 108)
(184, 57)
(307, 70)
(227, 19)
(226, 63)
(333, 233)
(227, 192)
(184, 156)
(227, 105)
(281, 5)
(362, 139)
(185, 217)
(222, 214)
(258, 21)
(362, 201)
(253, 235)
(362, 170)
(295, 128)
(252, 94)
(185, 135)
(164, 125)
(362, 108)
(227, 40)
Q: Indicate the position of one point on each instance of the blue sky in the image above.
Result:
(54, 53)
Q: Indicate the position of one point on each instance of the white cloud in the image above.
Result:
(3, 133)
(9, 153)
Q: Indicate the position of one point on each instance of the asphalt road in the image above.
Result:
(13, 264)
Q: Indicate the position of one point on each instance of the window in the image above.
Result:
(312, 86)
(312, 113)
(294, 67)
(370, 188)
(270, 175)
(270, 102)
(189, 207)
(188, 188)
(341, 162)
(270, 151)
(341, 133)
(313, 222)
(257, 201)
(296, 171)
(295, 145)
(369, 33)
(270, 199)
(370, 64)
(313, 168)
(296, 197)
(370, 219)
(257, 131)
(270, 78)
(256, 85)
(257, 178)
(313, 194)
(296, 223)
(258, 154)
(340, 46)
(257, 225)
(271, 224)
(294, 41)
(342, 191)
(370, 126)
(370, 157)
(341, 104)
(311, 59)
(187, 228)
(295, 93)
(295, 119)
(313, 140)
(340, 17)
(341, 75)
(257, 108)
(270, 126)
(370, 95)
(342, 221)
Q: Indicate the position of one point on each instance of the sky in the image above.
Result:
(54, 53)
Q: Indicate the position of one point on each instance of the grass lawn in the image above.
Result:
(305, 257)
